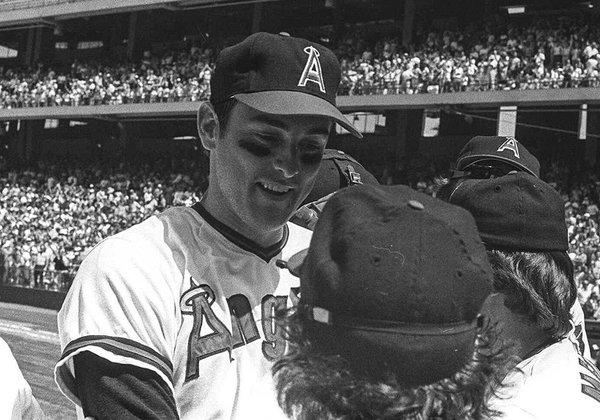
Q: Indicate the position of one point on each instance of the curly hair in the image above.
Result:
(537, 285)
(313, 384)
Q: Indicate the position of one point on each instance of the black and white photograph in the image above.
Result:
(300, 209)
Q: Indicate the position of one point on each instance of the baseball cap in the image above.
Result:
(517, 212)
(280, 74)
(338, 170)
(393, 281)
(498, 148)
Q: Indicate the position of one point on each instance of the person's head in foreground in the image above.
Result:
(485, 157)
(521, 222)
(518, 216)
(338, 170)
(387, 323)
(270, 114)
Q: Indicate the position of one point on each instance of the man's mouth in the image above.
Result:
(274, 188)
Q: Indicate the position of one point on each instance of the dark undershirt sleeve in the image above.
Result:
(115, 391)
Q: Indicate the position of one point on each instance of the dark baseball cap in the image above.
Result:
(338, 170)
(280, 74)
(517, 212)
(394, 281)
(498, 148)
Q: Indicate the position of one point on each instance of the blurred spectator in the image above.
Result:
(500, 53)
(52, 215)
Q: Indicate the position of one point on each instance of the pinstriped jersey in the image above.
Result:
(189, 298)
(555, 384)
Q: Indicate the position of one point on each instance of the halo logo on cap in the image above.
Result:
(312, 70)
(510, 144)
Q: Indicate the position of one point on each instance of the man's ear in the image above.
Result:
(208, 125)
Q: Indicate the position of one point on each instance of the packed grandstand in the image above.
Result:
(53, 210)
(493, 54)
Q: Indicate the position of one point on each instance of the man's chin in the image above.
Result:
(272, 219)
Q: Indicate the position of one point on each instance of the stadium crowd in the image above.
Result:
(51, 215)
(498, 54)
(581, 193)
(172, 77)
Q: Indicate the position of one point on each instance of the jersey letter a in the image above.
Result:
(312, 69)
(510, 144)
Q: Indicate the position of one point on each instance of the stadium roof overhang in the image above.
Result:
(348, 104)
(27, 13)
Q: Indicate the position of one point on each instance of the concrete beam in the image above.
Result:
(372, 103)
(17, 12)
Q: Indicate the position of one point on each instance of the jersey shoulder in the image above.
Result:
(298, 239)
(556, 383)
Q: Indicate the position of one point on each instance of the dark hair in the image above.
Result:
(537, 285)
(444, 187)
(313, 384)
(223, 110)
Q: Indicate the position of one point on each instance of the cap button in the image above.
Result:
(416, 205)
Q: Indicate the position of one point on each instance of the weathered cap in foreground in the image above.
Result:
(394, 280)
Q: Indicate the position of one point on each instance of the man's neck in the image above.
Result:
(522, 337)
(224, 215)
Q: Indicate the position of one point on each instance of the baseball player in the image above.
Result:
(521, 222)
(16, 400)
(380, 331)
(487, 157)
(172, 318)
(338, 170)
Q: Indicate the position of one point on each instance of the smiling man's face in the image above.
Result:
(263, 166)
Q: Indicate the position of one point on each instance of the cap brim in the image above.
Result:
(424, 356)
(295, 103)
(464, 162)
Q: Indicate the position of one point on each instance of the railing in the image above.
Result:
(30, 4)
(28, 277)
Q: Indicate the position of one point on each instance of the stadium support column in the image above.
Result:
(490, 7)
(29, 41)
(15, 152)
(257, 17)
(409, 19)
(38, 45)
(405, 126)
(29, 139)
(131, 36)
(44, 45)
(396, 123)
(591, 141)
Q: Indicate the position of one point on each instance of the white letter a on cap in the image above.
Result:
(510, 144)
(312, 70)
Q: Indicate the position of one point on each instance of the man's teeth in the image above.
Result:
(275, 187)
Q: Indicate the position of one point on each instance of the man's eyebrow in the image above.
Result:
(274, 122)
(263, 118)
(322, 131)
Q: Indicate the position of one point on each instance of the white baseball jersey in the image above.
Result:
(16, 400)
(557, 383)
(189, 298)
(578, 335)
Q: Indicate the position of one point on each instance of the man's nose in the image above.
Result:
(287, 164)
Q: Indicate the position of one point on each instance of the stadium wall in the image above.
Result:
(371, 103)
(33, 297)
